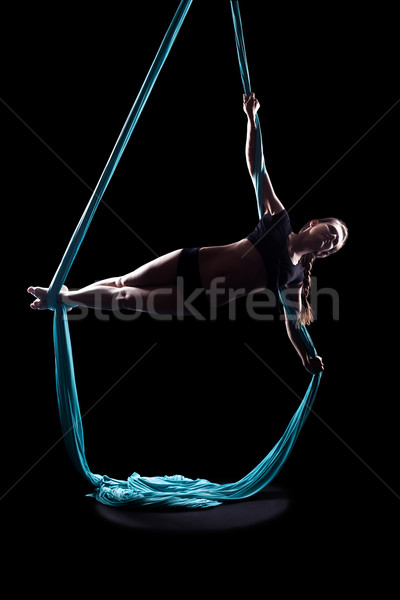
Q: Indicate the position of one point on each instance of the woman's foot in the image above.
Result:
(40, 293)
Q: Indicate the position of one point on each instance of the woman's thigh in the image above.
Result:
(158, 272)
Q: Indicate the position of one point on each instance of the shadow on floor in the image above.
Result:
(265, 506)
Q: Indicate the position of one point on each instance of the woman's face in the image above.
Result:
(325, 236)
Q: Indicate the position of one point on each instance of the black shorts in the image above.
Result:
(189, 283)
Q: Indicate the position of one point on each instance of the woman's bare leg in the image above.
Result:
(158, 300)
(159, 272)
(150, 288)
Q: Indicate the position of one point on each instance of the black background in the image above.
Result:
(200, 403)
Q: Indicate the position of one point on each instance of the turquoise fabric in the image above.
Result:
(259, 165)
(173, 490)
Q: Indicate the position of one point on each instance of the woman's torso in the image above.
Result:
(252, 264)
(236, 267)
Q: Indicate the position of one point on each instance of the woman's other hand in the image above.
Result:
(314, 364)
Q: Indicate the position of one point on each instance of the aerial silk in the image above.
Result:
(259, 165)
(173, 490)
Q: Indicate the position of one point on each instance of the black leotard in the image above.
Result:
(270, 239)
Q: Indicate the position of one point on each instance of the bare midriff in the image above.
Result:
(238, 267)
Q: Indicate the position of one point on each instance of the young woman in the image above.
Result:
(189, 279)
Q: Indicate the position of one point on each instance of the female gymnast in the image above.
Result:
(272, 257)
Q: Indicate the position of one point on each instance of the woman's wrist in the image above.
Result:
(251, 120)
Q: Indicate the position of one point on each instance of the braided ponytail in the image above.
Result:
(305, 316)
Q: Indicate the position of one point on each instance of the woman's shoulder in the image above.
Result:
(279, 219)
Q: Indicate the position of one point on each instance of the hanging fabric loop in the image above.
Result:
(173, 490)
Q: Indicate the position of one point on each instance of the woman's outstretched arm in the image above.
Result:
(271, 203)
(313, 364)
